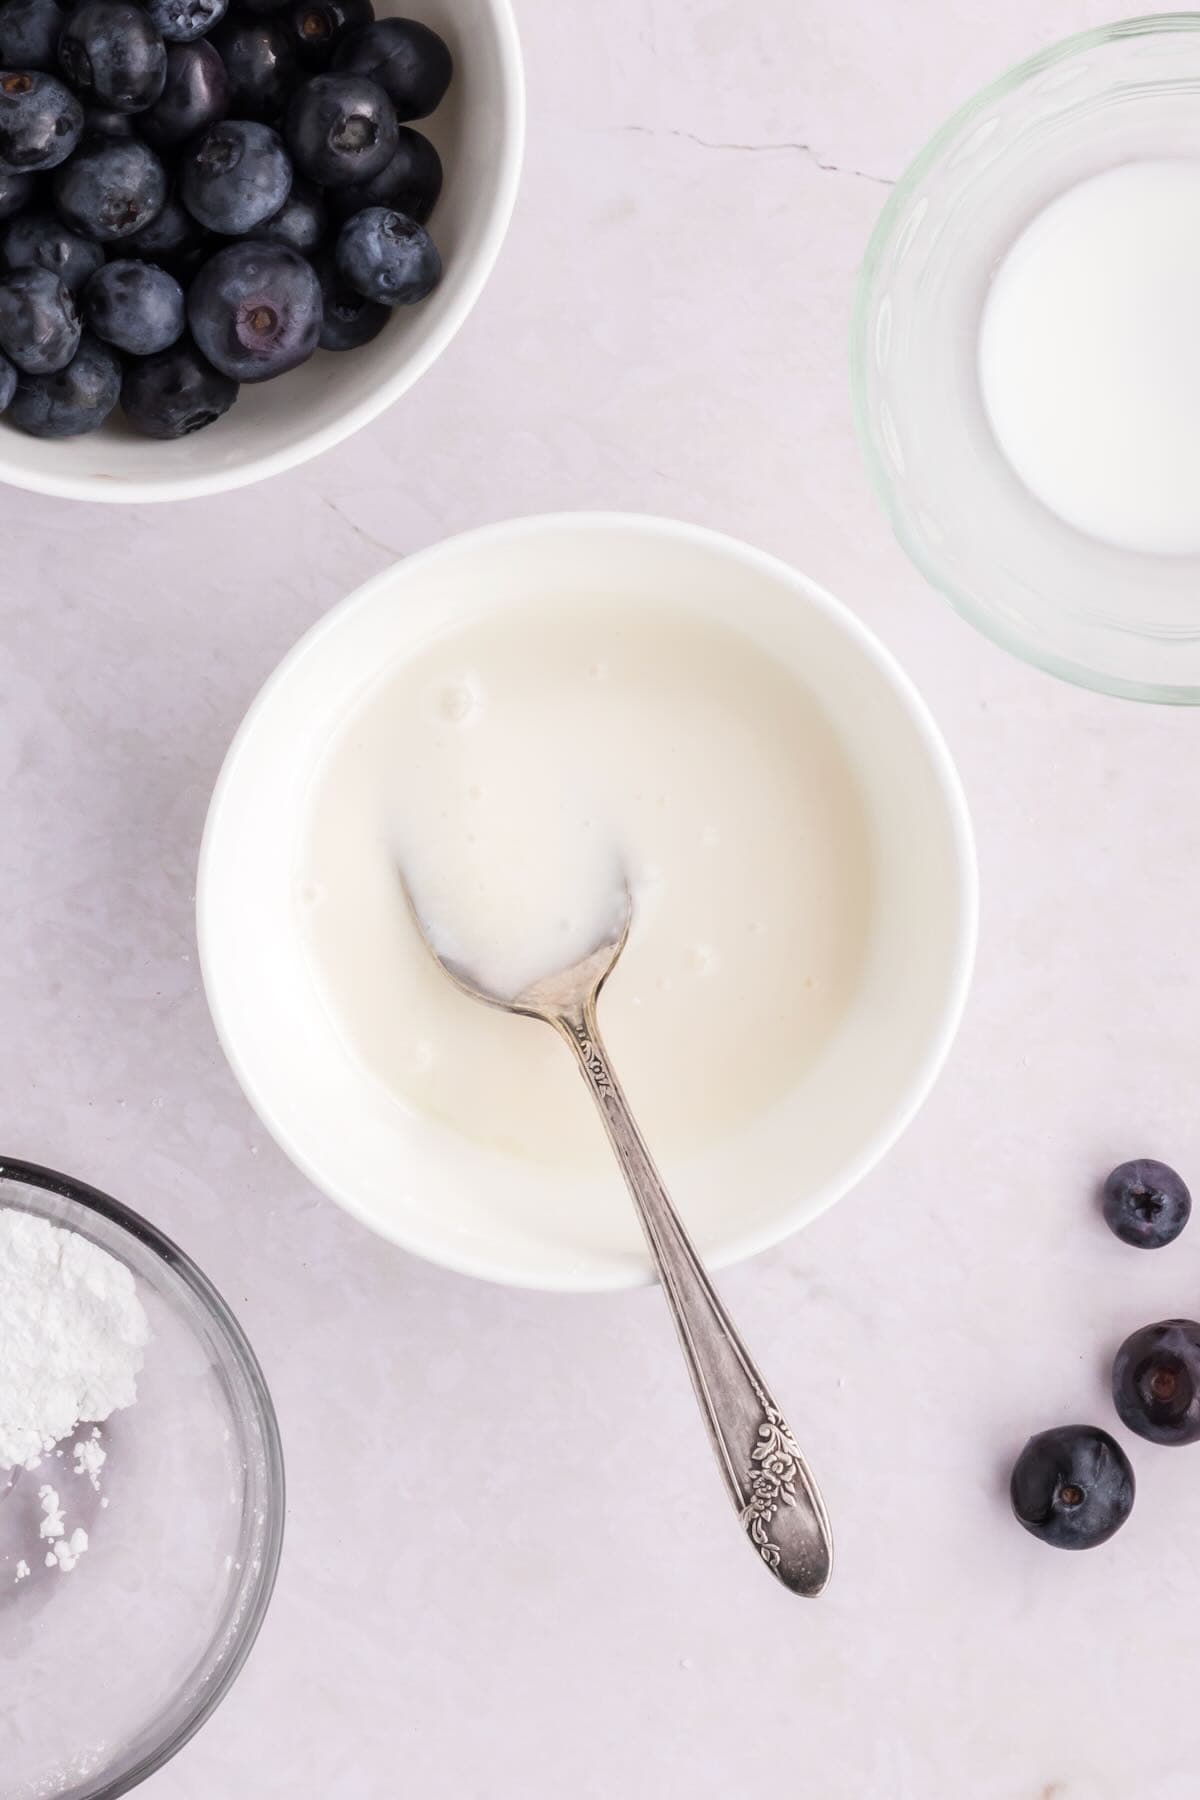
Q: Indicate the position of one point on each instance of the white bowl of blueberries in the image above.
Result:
(234, 231)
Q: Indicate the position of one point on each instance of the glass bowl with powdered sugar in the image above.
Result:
(141, 1493)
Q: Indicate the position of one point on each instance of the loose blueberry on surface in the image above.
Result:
(340, 129)
(16, 193)
(410, 183)
(388, 257)
(111, 188)
(113, 54)
(237, 176)
(41, 121)
(39, 240)
(1156, 1382)
(411, 63)
(195, 96)
(350, 319)
(183, 21)
(8, 383)
(29, 34)
(317, 27)
(255, 310)
(135, 307)
(39, 321)
(1072, 1486)
(176, 392)
(261, 64)
(75, 400)
(300, 221)
(1146, 1204)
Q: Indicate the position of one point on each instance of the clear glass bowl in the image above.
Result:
(108, 1669)
(1107, 618)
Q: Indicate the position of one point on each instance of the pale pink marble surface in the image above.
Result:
(510, 1570)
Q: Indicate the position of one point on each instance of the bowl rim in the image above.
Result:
(115, 490)
(90, 1199)
(926, 159)
(599, 1276)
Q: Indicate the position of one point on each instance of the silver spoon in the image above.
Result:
(776, 1498)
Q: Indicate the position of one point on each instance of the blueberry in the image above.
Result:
(196, 95)
(237, 176)
(77, 399)
(103, 121)
(410, 62)
(388, 257)
(16, 193)
(175, 392)
(1156, 1382)
(299, 222)
(317, 27)
(341, 128)
(111, 188)
(39, 321)
(171, 233)
(114, 55)
(8, 383)
(41, 121)
(409, 184)
(1146, 1204)
(182, 21)
(39, 240)
(261, 65)
(29, 34)
(1072, 1486)
(350, 319)
(255, 310)
(135, 307)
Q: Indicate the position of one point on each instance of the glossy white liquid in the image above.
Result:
(519, 770)
(1089, 356)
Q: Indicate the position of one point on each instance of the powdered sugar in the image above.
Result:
(72, 1336)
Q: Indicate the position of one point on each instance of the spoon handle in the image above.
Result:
(776, 1498)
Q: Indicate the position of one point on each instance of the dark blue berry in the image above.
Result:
(388, 257)
(111, 188)
(113, 54)
(16, 193)
(1072, 1486)
(102, 121)
(29, 34)
(169, 234)
(317, 27)
(77, 399)
(350, 319)
(300, 221)
(176, 392)
(1146, 1204)
(1156, 1382)
(340, 129)
(196, 95)
(237, 176)
(39, 321)
(41, 121)
(255, 310)
(411, 63)
(182, 21)
(8, 383)
(410, 183)
(135, 307)
(262, 68)
(40, 240)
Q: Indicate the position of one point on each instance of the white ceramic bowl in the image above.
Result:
(448, 1198)
(480, 131)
